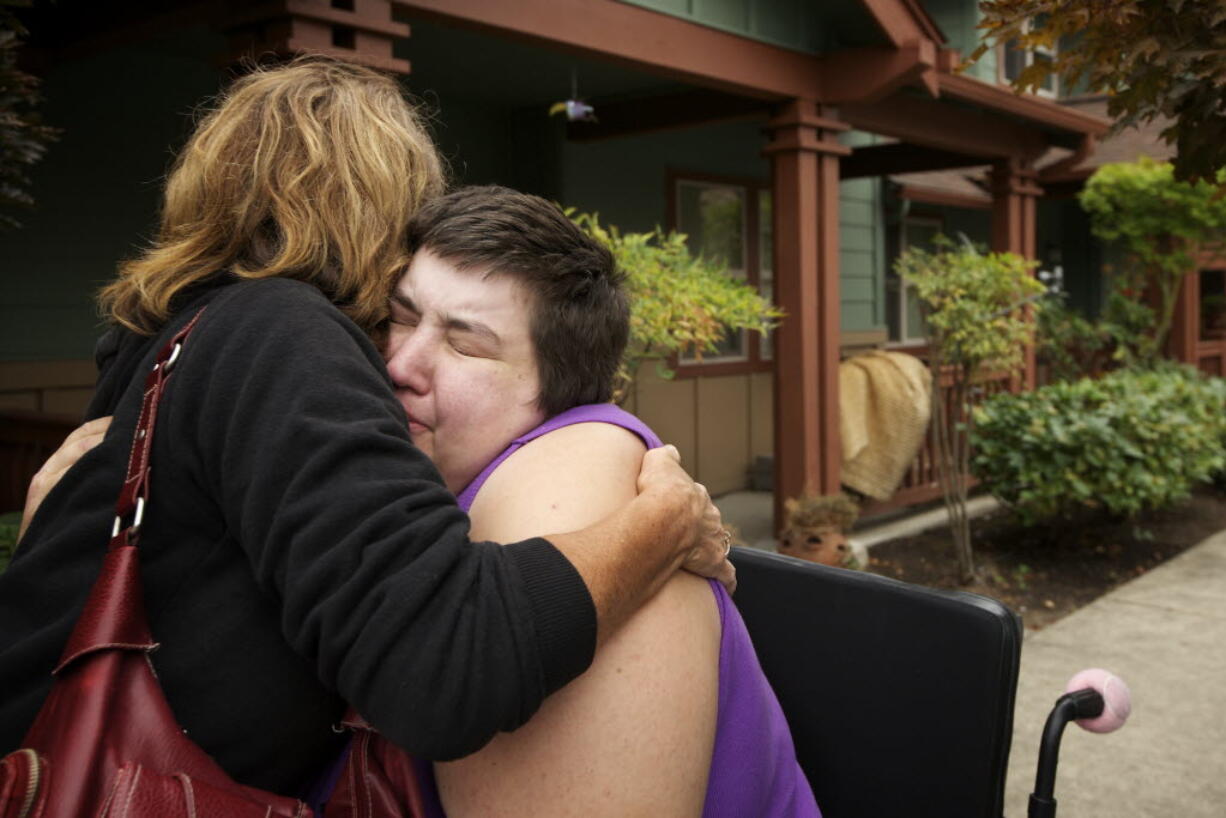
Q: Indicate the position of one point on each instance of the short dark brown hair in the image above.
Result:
(580, 320)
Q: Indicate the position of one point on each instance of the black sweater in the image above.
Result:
(297, 551)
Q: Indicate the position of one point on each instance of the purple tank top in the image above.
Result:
(753, 766)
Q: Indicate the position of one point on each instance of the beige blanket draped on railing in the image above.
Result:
(885, 401)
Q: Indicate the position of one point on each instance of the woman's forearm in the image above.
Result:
(628, 556)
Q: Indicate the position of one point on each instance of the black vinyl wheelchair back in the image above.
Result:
(899, 697)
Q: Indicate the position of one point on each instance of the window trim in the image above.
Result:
(1028, 58)
(922, 216)
(725, 365)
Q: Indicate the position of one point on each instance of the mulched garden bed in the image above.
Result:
(1046, 571)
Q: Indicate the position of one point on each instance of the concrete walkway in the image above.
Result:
(1165, 635)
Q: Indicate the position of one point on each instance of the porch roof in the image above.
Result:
(906, 87)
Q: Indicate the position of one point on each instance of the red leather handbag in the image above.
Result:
(377, 779)
(105, 742)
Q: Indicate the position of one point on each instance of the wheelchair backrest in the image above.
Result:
(899, 697)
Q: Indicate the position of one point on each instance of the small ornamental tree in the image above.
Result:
(1163, 225)
(979, 308)
(23, 137)
(679, 304)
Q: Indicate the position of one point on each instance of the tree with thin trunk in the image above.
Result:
(979, 310)
(1163, 225)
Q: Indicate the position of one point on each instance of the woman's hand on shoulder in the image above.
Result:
(699, 521)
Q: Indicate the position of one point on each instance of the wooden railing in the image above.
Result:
(921, 482)
(27, 439)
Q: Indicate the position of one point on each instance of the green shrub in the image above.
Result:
(8, 537)
(1129, 441)
(680, 304)
(1069, 344)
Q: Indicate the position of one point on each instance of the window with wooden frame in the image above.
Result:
(904, 319)
(1013, 59)
(727, 220)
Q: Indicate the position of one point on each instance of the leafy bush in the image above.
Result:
(1129, 441)
(8, 537)
(1069, 344)
(1074, 347)
(679, 304)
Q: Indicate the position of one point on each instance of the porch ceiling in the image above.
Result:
(454, 61)
(679, 73)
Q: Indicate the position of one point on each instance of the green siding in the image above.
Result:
(122, 115)
(958, 20)
(861, 248)
(626, 179)
(794, 24)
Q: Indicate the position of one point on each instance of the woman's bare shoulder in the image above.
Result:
(561, 481)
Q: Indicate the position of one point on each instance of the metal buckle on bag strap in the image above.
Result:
(135, 493)
(137, 517)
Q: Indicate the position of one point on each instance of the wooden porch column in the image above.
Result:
(1014, 197)
(1185, 323)
(361, 31)
(805, 181)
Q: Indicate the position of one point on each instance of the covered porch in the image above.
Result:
(800, 110)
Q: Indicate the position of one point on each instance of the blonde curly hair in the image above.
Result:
(309, 170)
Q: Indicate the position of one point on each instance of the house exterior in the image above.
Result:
(802, 143)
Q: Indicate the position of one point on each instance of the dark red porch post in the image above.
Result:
(805, 173)
(1014, 197)
(1185, 323)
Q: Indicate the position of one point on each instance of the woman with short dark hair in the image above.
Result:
(506, 334)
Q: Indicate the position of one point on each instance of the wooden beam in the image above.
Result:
(1068, 169)
(634, 36)
(868, 74)
(364, 33)
(902, 157)
(1073, 123)
(973, 132)
(902, 21)
(665, 112)
(943, 198)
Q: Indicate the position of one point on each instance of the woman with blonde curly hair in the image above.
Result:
(298, 550)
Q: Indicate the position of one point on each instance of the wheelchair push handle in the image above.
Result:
(1098, 701)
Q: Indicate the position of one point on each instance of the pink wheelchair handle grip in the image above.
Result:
(1117, 700)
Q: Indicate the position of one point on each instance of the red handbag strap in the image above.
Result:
(114, 614)
(130, 507)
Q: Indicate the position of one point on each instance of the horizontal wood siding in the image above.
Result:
(861, 259)
(792, 24)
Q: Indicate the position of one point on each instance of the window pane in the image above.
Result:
(1015, 60)
(1212, 304)
(766, 234)
(904, 319)
(713, 220)
(712, 216)
(917, 329)
(1049, 83)
(766, 265)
